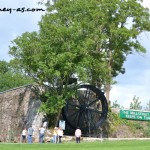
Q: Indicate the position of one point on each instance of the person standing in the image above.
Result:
(55, 135)
(60, 134)
(24, 135)
(41, 134)
(78, 135)
(45, 121)
(45, 124)
(30, 135)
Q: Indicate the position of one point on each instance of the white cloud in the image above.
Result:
(15, 23)
(124, 94)
(146, 3)
(137, 85)
(135, 81)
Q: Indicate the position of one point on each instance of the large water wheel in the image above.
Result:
(87, 110)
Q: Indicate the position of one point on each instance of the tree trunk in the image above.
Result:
(57, 118)
(107, 91)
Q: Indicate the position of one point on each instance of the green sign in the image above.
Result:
(135, 115)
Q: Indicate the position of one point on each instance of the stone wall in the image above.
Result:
(18, 109)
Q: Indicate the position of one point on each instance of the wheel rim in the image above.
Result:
(87, 111)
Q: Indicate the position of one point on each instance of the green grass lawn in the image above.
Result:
(105, 145)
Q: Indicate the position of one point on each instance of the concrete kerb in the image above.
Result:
(92, 139)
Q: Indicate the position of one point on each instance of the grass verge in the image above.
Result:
(105, 145)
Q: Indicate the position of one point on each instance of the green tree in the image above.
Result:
(148, 106)
(3, 67)
(115, 104)
(136, 104)
(109, 33)
(10, 78)
(90, 38)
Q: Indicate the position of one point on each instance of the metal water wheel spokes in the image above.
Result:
(87, 111)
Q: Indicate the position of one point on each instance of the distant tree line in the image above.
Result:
(135, 104)
(11, 77)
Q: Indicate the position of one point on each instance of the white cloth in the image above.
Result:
(24, 132)
(78, 133)
(60, 132)
(42, 130)
(45, 124)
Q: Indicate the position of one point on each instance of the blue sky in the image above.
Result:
(16, 23)
(136, 80)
